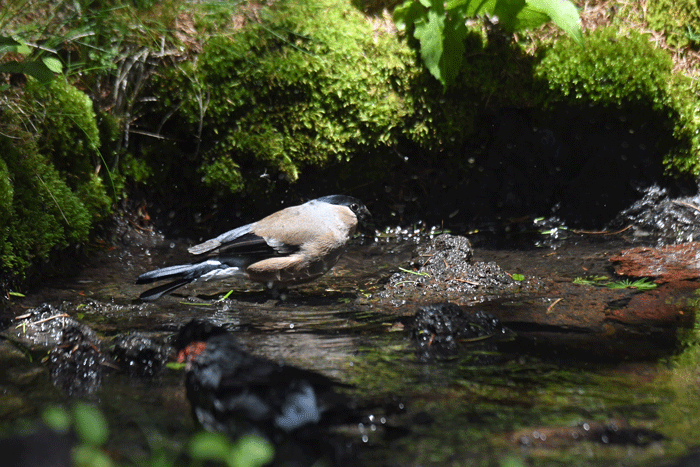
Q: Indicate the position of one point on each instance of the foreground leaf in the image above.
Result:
(563, 13)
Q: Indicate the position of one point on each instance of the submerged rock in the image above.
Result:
(439, 329)
(39, 327)
(611, 432)
(139, 355)
(76, 365)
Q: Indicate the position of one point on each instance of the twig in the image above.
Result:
(139, 227)
(64, 315)
(427, 260)
(477, 339)
(600, 232)
(549, 308)
(683, 203)
(465, 281)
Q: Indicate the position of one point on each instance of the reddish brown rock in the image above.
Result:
(670, 263)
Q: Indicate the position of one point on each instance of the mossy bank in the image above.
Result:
(233, 107)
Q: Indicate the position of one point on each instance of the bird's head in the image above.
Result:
(196, 331)
(354, 204)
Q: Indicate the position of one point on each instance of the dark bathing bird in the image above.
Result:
(234, 391)
(295, 245)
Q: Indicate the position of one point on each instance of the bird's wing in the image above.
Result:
(243, 242)
(225, 238)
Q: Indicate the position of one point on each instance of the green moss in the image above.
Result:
(679, 20)
(67, 128)
(44, 213)
(135, 169)
(50, 192)
(292, 91)
(609, 71)
(6, 198)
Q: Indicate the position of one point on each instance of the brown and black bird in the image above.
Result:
(295, 245)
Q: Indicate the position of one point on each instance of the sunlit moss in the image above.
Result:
(290, 91)
(678, 20)
(50, 193)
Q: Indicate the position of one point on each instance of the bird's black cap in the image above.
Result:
(354, 204)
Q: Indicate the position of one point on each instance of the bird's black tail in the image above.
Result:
(182, 273)
(156, 292)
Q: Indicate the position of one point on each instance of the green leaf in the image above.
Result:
(53, 64)
(89, 456)
(209, 446)
(563, 13)
(251, 451)
(36, 69)
(415, 273)
(406, 14)
(6, 40)
(175, 366)
(429, 31)
(39, 71)
(518, 277)
(90, 424)
(57, 418)
(8, 44)
(441, 28)
(12, 67)
(455, 33)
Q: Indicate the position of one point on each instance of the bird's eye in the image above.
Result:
(354, 207)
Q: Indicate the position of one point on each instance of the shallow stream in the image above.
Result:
(553, 393)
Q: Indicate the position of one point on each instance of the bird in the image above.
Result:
(289, 247)
(236, 392)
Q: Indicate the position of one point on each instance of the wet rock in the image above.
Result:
(612, 432)
(76, 365)
(669, 263)
(439, 329)
(442, 270)
(139, 355)
(39, 327)
(445, 248)
(661, 218)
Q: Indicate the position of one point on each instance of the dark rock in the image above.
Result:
(440, 328)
